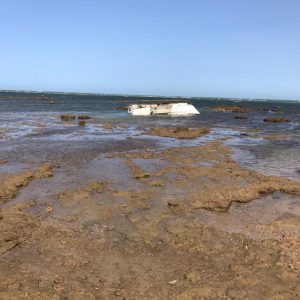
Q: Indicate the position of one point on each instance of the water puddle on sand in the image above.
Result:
(248, 218)
(284, 163)
(245, 218)
(101, 169)
(149, 165)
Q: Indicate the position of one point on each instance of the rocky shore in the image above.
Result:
(181, 133)
(235, 109)
(135, 225)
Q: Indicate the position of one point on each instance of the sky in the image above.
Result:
(209, 48)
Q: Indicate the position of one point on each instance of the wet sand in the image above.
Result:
(132, 220)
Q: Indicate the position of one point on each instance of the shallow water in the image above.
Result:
(27, 118)
(247, 218)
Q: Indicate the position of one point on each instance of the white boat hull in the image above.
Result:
(162, 109)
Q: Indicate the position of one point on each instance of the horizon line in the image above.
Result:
(144, 95)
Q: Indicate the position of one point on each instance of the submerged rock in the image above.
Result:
(276, 119)
(107, 125)
(273, 137)
(81, 123)
(178, 132)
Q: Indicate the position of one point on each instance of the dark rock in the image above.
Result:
(81, 123)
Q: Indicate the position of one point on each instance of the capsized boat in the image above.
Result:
(176, 108)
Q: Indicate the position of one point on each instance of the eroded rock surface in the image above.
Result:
(83, 117)
(67, 117)
(178, 132)
(235, 109)
(11, 183)
(208, 176)
(107, 125)
(276, 119)
(142, 238)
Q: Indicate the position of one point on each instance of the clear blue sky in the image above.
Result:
(229, 48)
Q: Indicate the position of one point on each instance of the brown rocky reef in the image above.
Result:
(83, 117)
(144, 239)
(235, 109)
(276, 119)
(178, 132)
(121, 108)
(11, 183)
(81, 123)
(67, 117)
(210, 167)
(107, 125)
(274, 137)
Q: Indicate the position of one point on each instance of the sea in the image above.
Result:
(31, 129)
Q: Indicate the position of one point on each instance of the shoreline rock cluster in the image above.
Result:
(181, 133)
(188, 168)
(68, 117)
(148, 223)
(234, 109)
(81, 118)
(276, 120)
